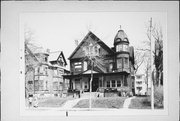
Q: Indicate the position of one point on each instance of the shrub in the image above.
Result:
(158, 96)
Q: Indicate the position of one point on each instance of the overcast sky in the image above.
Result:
(58, 31)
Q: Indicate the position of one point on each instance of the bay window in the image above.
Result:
(119, 63)
(126, 62)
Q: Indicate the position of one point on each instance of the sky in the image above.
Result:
(58, 31)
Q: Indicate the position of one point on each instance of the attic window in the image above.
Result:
(93, 36)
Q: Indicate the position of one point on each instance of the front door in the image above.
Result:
(95, 84)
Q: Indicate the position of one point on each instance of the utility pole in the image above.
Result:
(151, 62)
(90, 90)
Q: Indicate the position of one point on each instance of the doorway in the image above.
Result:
(95, 84)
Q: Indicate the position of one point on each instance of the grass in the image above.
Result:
(140, 103)
(52, 102)
(108, 102)
(143, 103)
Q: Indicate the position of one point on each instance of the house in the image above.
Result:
(46, 78)
(112, 67)
(140, 84)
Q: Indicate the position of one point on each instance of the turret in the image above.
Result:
(121, 45)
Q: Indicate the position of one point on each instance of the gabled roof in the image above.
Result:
(101, 43)
(54, 56)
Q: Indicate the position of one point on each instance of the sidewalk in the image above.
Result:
(127, 102)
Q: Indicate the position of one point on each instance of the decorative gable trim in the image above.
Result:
(95, 38)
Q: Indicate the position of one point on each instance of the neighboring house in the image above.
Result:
(140, 84)
(114, 69)
(46, 77)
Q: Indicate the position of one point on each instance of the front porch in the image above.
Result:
(114, 80)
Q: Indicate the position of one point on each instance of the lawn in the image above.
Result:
(106, 102)
(52, 102)
(140, 103)
(143, 103)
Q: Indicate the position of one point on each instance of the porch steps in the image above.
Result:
(87, 94)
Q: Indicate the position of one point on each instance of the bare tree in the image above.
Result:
(157, 53)
(94, 59)
(139, 57)
(31, 60)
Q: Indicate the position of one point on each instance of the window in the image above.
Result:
(113, 83)
(30, 85)
(96, 50)
(36, 86)
(61, 85)
(138, 77)
(126, 62)
(139, 82)
(121, 47)
(108, 83)
(139, 88)
(36, 71)
(119, 63)
(30, 82)
(125, 48)
(110, 67)
(55, 85)
(125, 81)
(45, 59)
(78, 66)
(118, 83)
(85, 65)
(86, 85)
(41, 85)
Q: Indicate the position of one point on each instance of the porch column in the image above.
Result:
(102, 81)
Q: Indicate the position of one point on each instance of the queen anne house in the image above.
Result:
(45, 77)
(112, 67)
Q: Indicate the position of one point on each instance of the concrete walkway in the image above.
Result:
(71, 103)
(127, 102)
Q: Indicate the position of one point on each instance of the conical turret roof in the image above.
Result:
(120, 37)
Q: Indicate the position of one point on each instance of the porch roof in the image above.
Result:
(95, 74)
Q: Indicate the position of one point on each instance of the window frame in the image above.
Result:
(109, 83)
(113, 83)
(118, 60)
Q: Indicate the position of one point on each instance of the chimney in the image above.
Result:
(76, 43)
